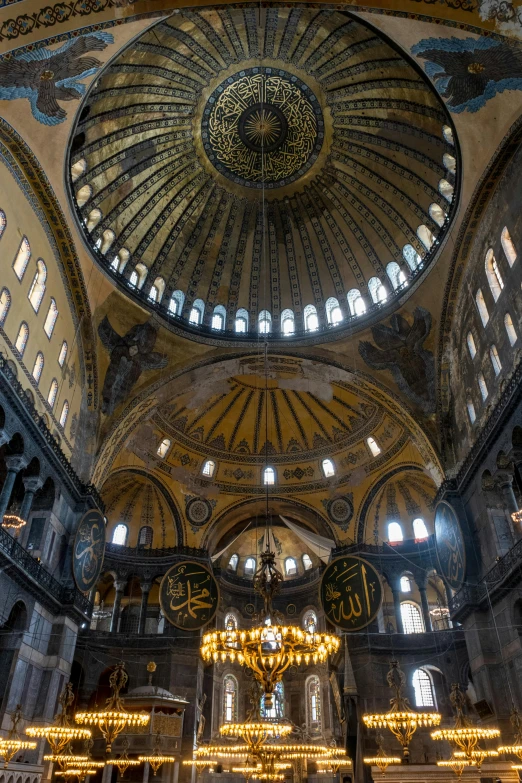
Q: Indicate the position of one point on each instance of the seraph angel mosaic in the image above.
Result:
(468, 72)
(45, 76)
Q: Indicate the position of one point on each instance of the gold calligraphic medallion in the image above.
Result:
(189, 595)
(262, 127)
(88, 550)
(449, 543)
(351, 593)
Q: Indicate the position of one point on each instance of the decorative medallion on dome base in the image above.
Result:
(263, 127)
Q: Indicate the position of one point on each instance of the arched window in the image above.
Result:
(356, 303)
(232, 563)
(269, 476)
(395, 534)
(313, 703)
(264, 322)
(219, 318)
(420, 531)
(3, 222)
(37, 289)
(64, 414)
(196, 313)
(83, 195)
(448, 134)
(157, 290)
(328, 468)
(307, 561)
(119, 535)
(50, 319)
(277, 710)
(229, 699)
(290, 566)
(437, 214)
(423, 687)
(412, 258)
(250, 566)
(287, 322)
(481, 307)
(373, 446)
(5, 304)
(21, 338)
(241, 322)
(310, 620)
(449, 163)
(93, 219)
(471, 411)
(411, 618)
(377, 290)
(120, 261)
(208, 468)
(133, 279)
(22, 258)
(63, 354)
(145, 536)
(230, 622)
(334, 313)
(495, 281)
(396, 275)
(53, 391)
(176, 302)
(472, 348)
(426, 236)
(38, 366)
(311, 321)
(482, 386)
(508, 246)
(78, 168)
(405, 584)
(163, 448)
(508, 323)
(495, 360)
(446, 190)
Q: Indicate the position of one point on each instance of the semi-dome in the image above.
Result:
(277, 171)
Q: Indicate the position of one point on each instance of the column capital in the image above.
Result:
(146, 586)
(16, 462)
(503, 479)
(32, 483)
(120, 585)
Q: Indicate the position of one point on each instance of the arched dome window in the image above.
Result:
(50, 318)
(208, 468)
(63, 354)
(93, 218)
(53, 391)
(156, 290)
(22, 258)
(177, 300)
(287, 322)
(219, 318)
(269, 476)
(405, 584)
(396, 275)
(412, 258)
(264, 322)
(472, 348)
(196, 313)
(311, 321)
(78, 168)
(481, 307)
(119, 535)
(374, 447)
(446, 190)
(448, 134)
(290, 566)
(145, 537)
(508, 323)
(328, 468)
(5, 304)
(21, 338)
(119, 262)
(395, 534)
(64, 414)
(241, 321)
(107, 239)
(356, 303)
(508, 246)
(420, 531)
(233, 562)
(471, 411)
(307, 561)
(426, 236)
(496, 284)
(313, 703)
(310, 621)
(38, 366)
(482, 386)
(229, 699)
(411, 618)
(423, 689)
(163, 448)
(377, 290)
(334, 313)
(37, 289)
(495, 360)
(437, 214)
(250, 566)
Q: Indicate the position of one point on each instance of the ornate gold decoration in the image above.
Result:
(477, 756)
(13, 521)
(262, 125)
(62, 731)
(123, 762)
(456, 764)
(255, 734)
(401, 720)
(12, 745)
(156, 759)
(114, 717)
(464, 734)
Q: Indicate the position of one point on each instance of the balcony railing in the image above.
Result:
(153, 553)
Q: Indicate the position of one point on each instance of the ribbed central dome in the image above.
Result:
(281, 170)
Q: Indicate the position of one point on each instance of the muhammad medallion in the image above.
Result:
(262, 127)
(351, 593)
(88, 550)
(189, 595)
(449, 543)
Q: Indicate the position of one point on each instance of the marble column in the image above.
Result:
(397, 607)
(120, 589)
(32, 484)
(145, 590)
(107, 773)
(146, 770)
(425, 606)
(15, 463)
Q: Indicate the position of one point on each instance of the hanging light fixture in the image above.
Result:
(401, 720)
(478, 756)
(12, 744)
(156, 759)
(114, 717)
(464, 734)
(381, 760)
(123, 762)
(516, 748)
(62, 731)
(78, 773)
(256, 734)
(457, 765)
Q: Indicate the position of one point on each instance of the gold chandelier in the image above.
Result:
(254, 733)
(477, 756)
(464, 734)
(81, 774)
(13, 521)
(381, 760)
(123, 762)
(156, 759)
(62, 731)
(516, 748)
(401, 720)
(12, 744)
(456, 764)
(114, 717)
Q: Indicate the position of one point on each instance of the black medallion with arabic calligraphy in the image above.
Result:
(351, 593)
(88, 550)
(189, 595)
(449, 543)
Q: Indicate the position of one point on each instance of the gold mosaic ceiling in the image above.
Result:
(259, 159)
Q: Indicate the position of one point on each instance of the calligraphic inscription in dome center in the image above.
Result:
(262, 127)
